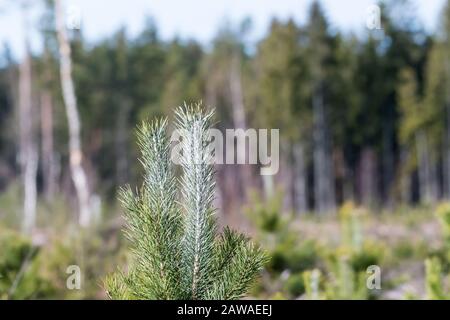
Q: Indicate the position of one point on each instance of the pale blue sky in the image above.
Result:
(197, 19)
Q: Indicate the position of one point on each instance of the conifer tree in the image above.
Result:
(176, 248)
(320, 56)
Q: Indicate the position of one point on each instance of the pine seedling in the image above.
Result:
(351, 229)
(311, 280)
(177, 252)
(443, 214)
(433, 280)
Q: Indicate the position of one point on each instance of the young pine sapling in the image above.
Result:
(177, 251)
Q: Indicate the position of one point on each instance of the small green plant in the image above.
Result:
(311, 280)
(443, 214)
(177, 251)
(19, 276)
(351, 226)
(348, 263)
(345, 282)
(15, 250)
(266, 213)
(433, 280)
(293, 256)
(295, 285)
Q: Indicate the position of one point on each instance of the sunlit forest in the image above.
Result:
(363, 187)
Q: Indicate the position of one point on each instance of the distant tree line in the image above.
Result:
(363, 118)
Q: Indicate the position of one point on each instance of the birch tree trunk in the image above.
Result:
(76, 155)
(27, 154)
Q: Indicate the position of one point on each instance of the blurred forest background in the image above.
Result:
(365, 150)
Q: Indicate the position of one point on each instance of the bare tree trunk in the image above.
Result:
(366, 178)
(446, 166)
(28, 153)
(220, 187)
(426, 189)
(285, 178)
(50, 168)
(388, 158)
(47, 149)
(237, 97)
(300, 185)
(446, 151)
(446, 155)
(348, 181)
(324, 196)
(405, 179)
(122, 143)
(243, 173)
(76, 155)
(30, 172)
(435, 190)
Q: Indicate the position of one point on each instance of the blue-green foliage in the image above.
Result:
(177, 251)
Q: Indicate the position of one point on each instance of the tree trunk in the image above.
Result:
(388, 158)
(405, 179)
(446, 166)
(426, 189)
(366, 178)
(446, 155)
(237, 97)
(49, 170)
(48, 156)
(324, 196)
(27, 153)
(220, 187)
(122, 143)
(286, 179)
(76, 155)
(300, 184)
(243, 172)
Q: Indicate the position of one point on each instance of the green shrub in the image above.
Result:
(344, 282)
(312, 282)
(266, 214)
(351, 225)
(294, 257)
(443, 214)
(370, 254)
(408, 250)
(433, 280)
(19, 278)
(304, 257)
(295, 285)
